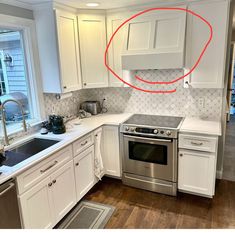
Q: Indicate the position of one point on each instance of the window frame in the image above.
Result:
(32, 68)
(4, 71)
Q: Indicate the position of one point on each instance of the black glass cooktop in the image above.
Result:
(154, 121)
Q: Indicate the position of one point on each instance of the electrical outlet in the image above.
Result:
(201, 103)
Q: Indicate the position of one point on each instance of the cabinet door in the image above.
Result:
(36, 206)
(210, 71)
(64, 194)
(70, 69)
(197, 172)
(92, 35)
(110, 151)
(84, 172)
(115, 50)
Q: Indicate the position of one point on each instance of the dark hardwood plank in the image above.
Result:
(140, 209)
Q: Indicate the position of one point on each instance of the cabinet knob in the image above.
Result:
(54, 181)
(84, 84)
(77, 164)
(181, 155)
(50, 184)
(65, 87)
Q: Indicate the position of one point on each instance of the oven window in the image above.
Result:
(150, 153)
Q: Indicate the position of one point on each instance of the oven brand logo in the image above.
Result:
(197, 16)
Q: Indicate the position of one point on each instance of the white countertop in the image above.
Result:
(196, 125)
(75, 129)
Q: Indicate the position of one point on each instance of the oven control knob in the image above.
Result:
(168, 133)
(155, 131)
(127, 128)
(132, 129)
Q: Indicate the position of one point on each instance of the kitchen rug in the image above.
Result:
(87, 215)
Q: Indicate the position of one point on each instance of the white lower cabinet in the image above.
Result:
(110, 151)
(47, 202)
(37, 207)
(63, 190)
(84, 172)
(197, 172)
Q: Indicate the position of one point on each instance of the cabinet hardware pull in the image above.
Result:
(96, 135)
(11, 185)
(54, 181)
(65, 87)
(83, 144)
(50, 184)
(84, 84)
(181, 155)
(77, 164)
(49, 167)
(197, 143)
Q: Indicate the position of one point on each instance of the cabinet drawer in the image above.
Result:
(200, 143)
(35, 174)
(82, 144)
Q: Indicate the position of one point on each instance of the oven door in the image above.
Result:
(150, 157)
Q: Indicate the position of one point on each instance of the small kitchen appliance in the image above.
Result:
(56, 123)
(149, 147)
(93, 107)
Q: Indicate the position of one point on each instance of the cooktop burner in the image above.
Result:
(154, 121)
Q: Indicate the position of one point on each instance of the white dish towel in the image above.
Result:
(99, 167)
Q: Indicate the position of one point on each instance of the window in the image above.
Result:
(19, 74)
(14, 84)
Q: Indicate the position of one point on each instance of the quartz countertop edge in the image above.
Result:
(200, 126)
(74, 132)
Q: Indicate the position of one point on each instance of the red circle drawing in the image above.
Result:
(158, 82)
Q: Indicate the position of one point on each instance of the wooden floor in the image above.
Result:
(137, 208)
(229, 152)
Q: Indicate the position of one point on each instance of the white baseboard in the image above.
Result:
(219, 174)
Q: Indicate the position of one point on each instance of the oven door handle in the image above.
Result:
(152, 139)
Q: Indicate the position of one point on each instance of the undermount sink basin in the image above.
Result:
(26, 150)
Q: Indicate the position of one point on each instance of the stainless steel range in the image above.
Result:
(149, 152)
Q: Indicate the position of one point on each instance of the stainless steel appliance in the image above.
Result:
(93, 107)
(9, 211)
(149, 152)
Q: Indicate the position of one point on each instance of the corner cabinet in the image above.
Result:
(110, 151)
(84, 172)
(92, 37)
(116, 47)
(59, 53)
(211, 69)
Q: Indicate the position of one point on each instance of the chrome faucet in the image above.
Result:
(3, 113)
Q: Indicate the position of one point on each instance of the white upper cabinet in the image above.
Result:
(92, 36)
(155, 40)
(68, 48)
(210, 71)
(116, 47)
(58, 49)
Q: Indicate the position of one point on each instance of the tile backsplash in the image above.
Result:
(184, 102)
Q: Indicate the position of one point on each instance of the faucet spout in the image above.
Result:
(4, 123)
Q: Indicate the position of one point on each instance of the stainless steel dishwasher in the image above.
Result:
(9, 210)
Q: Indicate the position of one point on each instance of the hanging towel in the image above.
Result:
(99, 167)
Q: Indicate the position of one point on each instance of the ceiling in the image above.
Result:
(104, 4)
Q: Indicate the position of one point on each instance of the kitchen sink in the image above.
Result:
(26, 150)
